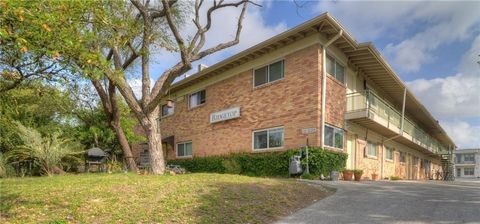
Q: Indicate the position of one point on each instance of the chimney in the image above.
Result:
(201, 67)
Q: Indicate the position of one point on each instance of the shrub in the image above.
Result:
(358, 172)
(46, 151)
(309, 176)
(395, 178)
(265, 164)
(232, 166)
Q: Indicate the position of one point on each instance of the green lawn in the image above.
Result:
(131, 198)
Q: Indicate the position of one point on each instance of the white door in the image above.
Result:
(350, 151)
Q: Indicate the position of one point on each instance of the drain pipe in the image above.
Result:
(324, 82)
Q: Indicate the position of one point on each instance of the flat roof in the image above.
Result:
(363, 57)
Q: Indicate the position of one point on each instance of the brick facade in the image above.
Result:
(292, 102)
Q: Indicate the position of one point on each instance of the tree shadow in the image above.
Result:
(255, 202)
(7, 202)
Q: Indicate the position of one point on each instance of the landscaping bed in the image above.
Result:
(131, 198)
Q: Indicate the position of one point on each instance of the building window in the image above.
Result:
(335, 69)
(268, 138)
(166, 111)
(468, 171)
(333, 137)
(197, 99)
(389, 154)
(184, 149)
(402, 157)
(459, 158)
(268, 73)
(459, 172)
(372, 149)
(469, 158)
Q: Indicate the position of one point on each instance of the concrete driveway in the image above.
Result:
(394, 202)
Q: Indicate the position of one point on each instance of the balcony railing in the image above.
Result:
(373, 105)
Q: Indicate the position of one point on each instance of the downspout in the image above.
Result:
(324, 82)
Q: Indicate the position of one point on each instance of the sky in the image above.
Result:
(433, 46)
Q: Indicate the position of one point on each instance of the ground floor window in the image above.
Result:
(268, 138)
(333, 137)
(468, 171)
(184, 149)
(389, 154)
(402, 157)
(459, 172)
(372, 149)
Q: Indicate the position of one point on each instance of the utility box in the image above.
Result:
(295, 166)
(334, 175)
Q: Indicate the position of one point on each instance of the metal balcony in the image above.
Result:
(368, 109)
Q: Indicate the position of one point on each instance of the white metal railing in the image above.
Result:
(372, 103)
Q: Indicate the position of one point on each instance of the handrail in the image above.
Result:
(370, 101)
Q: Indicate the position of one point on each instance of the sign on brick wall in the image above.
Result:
(225, 115)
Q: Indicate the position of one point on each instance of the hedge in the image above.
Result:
(271, 164)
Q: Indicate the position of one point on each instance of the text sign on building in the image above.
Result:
(225, 115)
(307, 131)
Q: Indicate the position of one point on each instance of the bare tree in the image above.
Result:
(147, 109)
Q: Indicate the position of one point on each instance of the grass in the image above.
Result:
(131, 198)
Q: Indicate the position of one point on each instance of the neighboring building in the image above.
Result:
(312, 78)
(467, 163)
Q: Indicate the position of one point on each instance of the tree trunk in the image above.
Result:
(157, 160)
(127, 151)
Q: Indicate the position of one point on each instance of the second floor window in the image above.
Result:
(166, 111)
(268, 73)
(469, 158)
(196, 99)
(335, 69)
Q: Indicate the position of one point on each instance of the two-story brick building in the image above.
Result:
(313, 78)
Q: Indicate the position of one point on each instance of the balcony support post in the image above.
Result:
(402, 122)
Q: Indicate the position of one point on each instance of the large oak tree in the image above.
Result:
(106, 38)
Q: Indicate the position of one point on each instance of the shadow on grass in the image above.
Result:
(7, 201)
(255, 202)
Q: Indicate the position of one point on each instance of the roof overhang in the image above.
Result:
(363, 57)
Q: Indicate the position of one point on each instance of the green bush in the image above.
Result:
(395, 178)
(265, 164)
(232, 166)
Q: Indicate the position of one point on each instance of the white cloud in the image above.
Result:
(437, 23)
(464, 134)
(136, 84)
(455, 99)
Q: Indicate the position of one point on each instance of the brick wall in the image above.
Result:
(336, 102)
(291, 102)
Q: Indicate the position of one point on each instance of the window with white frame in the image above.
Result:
(389, 153)
(268, 73)
(268, 138)
(335, 69)
(166, 111)
(372, 149)
(184, 149)
(468, 171)
(196, 99)
(469, 157)
(333, 137)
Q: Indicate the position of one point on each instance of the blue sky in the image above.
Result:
(433, 46)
